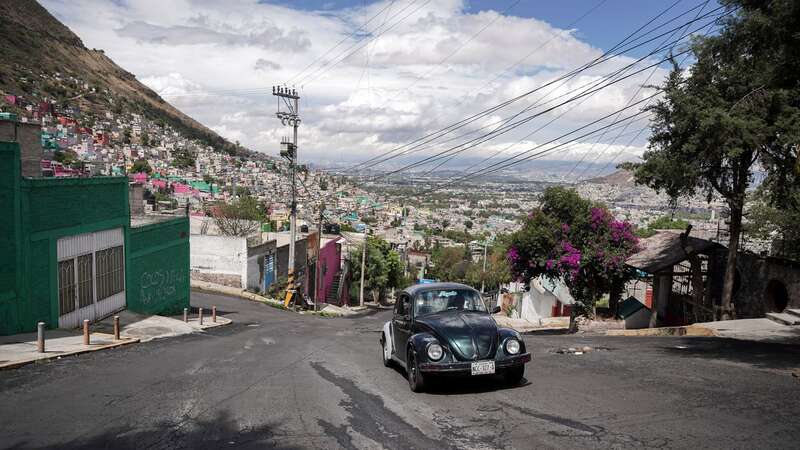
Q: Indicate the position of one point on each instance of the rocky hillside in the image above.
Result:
(41, 58)
(620, 177)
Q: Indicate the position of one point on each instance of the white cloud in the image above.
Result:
(217, 61)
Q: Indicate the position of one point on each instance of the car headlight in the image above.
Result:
(512, 346)
(435, 351)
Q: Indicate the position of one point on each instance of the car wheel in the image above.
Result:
(415, 379)
(387, 361)
(514, 376)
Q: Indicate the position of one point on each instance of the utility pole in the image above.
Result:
(318, 272)
(363, 265)
(290, 116)
(483, 278)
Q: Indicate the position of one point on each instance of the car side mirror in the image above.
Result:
(496, 310)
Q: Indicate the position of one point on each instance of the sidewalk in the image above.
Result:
(234, 292)
(526, 326)
(20, 349)
(761, 330)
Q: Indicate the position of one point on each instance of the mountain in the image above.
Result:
(42, 58)
(620, 177)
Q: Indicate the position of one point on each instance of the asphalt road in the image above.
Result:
(275, 379)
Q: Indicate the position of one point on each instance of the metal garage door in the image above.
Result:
(91, 276)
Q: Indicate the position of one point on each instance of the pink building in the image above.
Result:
(180, 188)
(139, 178)
(330, 273)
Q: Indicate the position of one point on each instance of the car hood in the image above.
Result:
(470, 335)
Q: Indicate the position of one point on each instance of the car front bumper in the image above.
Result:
(465, 367)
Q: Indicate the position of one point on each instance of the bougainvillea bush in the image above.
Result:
(577, 241)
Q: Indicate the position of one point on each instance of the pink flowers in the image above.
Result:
(512, 255)
(599, 217)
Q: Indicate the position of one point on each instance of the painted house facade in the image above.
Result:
(71, 251)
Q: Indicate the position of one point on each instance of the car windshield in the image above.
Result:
(438, 300)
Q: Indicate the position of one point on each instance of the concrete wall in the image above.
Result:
(255, 264)
(136, 199)
(157, 276)
(300, 262)
(219, 259)
(29, 137)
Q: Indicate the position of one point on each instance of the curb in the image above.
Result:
(688, 330)
(205, 286)
(120, 343)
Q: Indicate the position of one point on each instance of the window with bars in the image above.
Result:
(66, 286)
(85, 281)
(110, 272)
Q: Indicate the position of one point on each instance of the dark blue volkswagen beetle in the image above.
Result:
(445, 328)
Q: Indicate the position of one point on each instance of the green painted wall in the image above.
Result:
(10, 248)
(158, 267)
(36, 212)
(54, 208)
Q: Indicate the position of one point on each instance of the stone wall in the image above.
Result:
(765, 284)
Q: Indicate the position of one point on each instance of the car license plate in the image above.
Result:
(483, 368)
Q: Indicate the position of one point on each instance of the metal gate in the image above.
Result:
(91, 276)
(269, 271)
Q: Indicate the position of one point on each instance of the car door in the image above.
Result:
(401, 325)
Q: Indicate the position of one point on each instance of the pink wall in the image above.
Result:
(330, 258)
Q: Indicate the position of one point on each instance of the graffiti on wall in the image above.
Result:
(157, 285)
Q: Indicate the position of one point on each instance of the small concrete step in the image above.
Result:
(794, 312)
(784, 319)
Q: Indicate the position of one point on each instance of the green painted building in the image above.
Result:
(69, 251)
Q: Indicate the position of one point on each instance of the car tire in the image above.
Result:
(514, 375)
(387, 362)
(416, 380)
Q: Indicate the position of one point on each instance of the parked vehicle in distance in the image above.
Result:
(446, 329)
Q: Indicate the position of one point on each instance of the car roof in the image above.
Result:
(417, 288)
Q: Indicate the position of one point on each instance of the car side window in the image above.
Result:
(402, 305)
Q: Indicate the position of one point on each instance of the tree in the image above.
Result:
(141, 165)
(182, 158)
(738, 106)
(581, 243)
(384, 269)
(778, 225)
(145, 139)
(468, 224)
(67, 157)
(126, 135)
(241, 217)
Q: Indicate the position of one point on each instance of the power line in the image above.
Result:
(352, 35)
(435, 135)
(524, 120)
(317, 73)
(508, 161)
(639, 89)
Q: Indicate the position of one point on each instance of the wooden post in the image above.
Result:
(116, 328)
(40, 337)
(214, 313)
(85, 331)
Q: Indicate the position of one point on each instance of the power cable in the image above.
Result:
(435, 135)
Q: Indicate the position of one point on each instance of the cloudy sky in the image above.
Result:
(377, 74)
